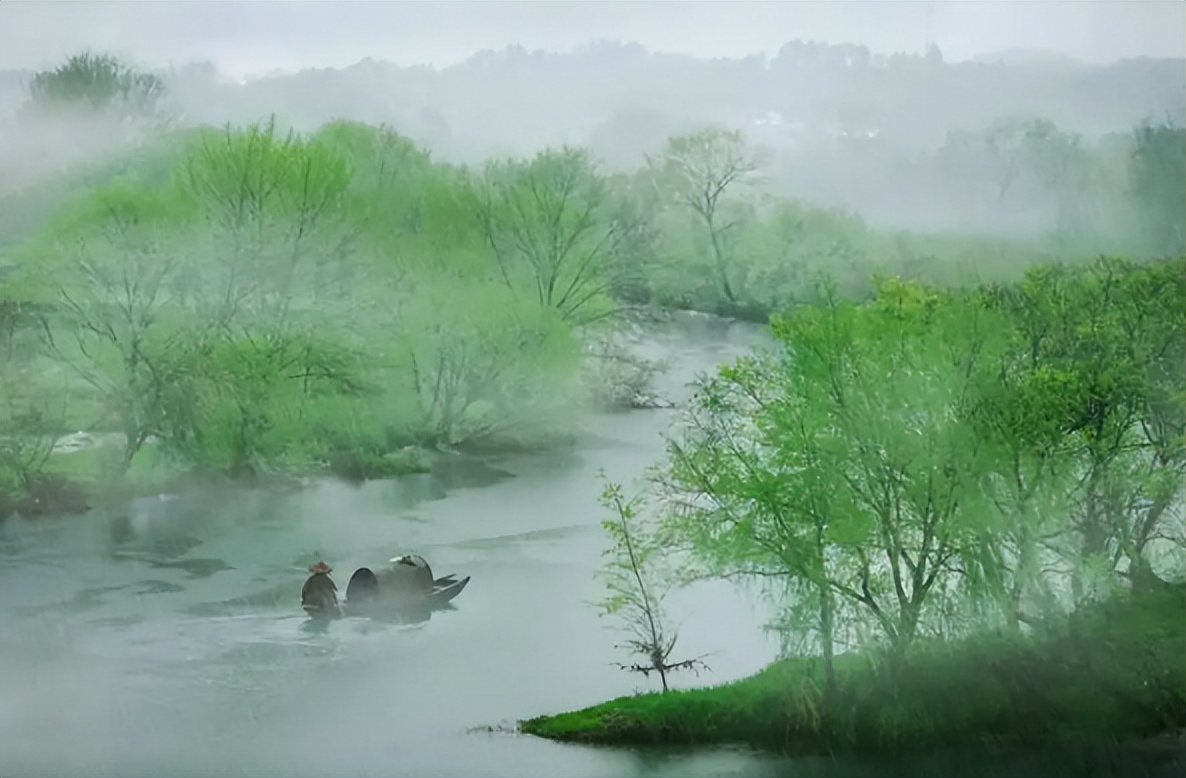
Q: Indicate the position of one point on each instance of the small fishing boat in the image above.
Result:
(407, 584)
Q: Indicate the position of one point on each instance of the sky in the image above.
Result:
(256, 36)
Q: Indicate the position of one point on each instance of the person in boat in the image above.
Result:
(407, 582)
(319, 595)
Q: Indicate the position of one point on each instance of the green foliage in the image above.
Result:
(548, 229)
(781, 258)
(1157, 178)
(820, 463)
(389, 178)
(1097, 386)
(97, 81)
(635, 594)
(930, 459)
(223, 307)
(442, 306)
(1108, 674)
(479, 363)
(698, 173)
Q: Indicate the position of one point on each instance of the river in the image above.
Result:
(166, 638)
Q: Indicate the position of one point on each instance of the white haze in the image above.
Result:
(245, 37)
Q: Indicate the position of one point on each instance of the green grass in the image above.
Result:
(1112, 672)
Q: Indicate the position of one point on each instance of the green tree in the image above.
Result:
(97, 81)
(840, 461)
(115, 265)
(635, 593)
(548, 227)
(241, 404)
(277, 228)
(480, 363)
(1098, 372)
(30, 411)
(700, 172)
(1157, 182)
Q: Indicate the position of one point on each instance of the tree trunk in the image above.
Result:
(826, 614)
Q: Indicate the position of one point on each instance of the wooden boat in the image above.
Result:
(407, 584)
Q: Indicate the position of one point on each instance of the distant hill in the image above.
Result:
(849, 124)
(1029, 57)
(516, 101)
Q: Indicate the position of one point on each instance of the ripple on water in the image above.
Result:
(197, 568)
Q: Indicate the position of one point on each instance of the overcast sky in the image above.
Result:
(255, 36)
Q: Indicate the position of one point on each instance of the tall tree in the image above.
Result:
(701, 171)
(1157, 181)
(96, 81)
(548, 227)
(840, 460)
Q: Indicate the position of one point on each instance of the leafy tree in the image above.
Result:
(98, 81)
(635, 594)
(1157, 181)
(479, 363)
(636, 237)
(1018, 413)
(547, 225)
(782, 256)
(699, 172)
(840, 461)
(117, 262)
(239, 405)
(388, 175)
(29, 414)
(1098, 369)
(274, 205)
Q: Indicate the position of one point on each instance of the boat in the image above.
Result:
(407, 584)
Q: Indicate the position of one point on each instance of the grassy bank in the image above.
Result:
(1113, 672)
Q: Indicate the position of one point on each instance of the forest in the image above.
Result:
(952, 431)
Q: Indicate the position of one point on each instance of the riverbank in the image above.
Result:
(75, 480)
(1109, 675)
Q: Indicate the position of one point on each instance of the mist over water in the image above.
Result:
(164, 636)
(168, 636)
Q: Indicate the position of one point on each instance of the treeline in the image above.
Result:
(474, 110)
(249, 300)
(1008, 165)
(246, 300)
(931, 461)
(1020, 175)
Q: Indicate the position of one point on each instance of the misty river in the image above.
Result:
(167, 638)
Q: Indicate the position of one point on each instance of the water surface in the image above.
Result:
(166, 638)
